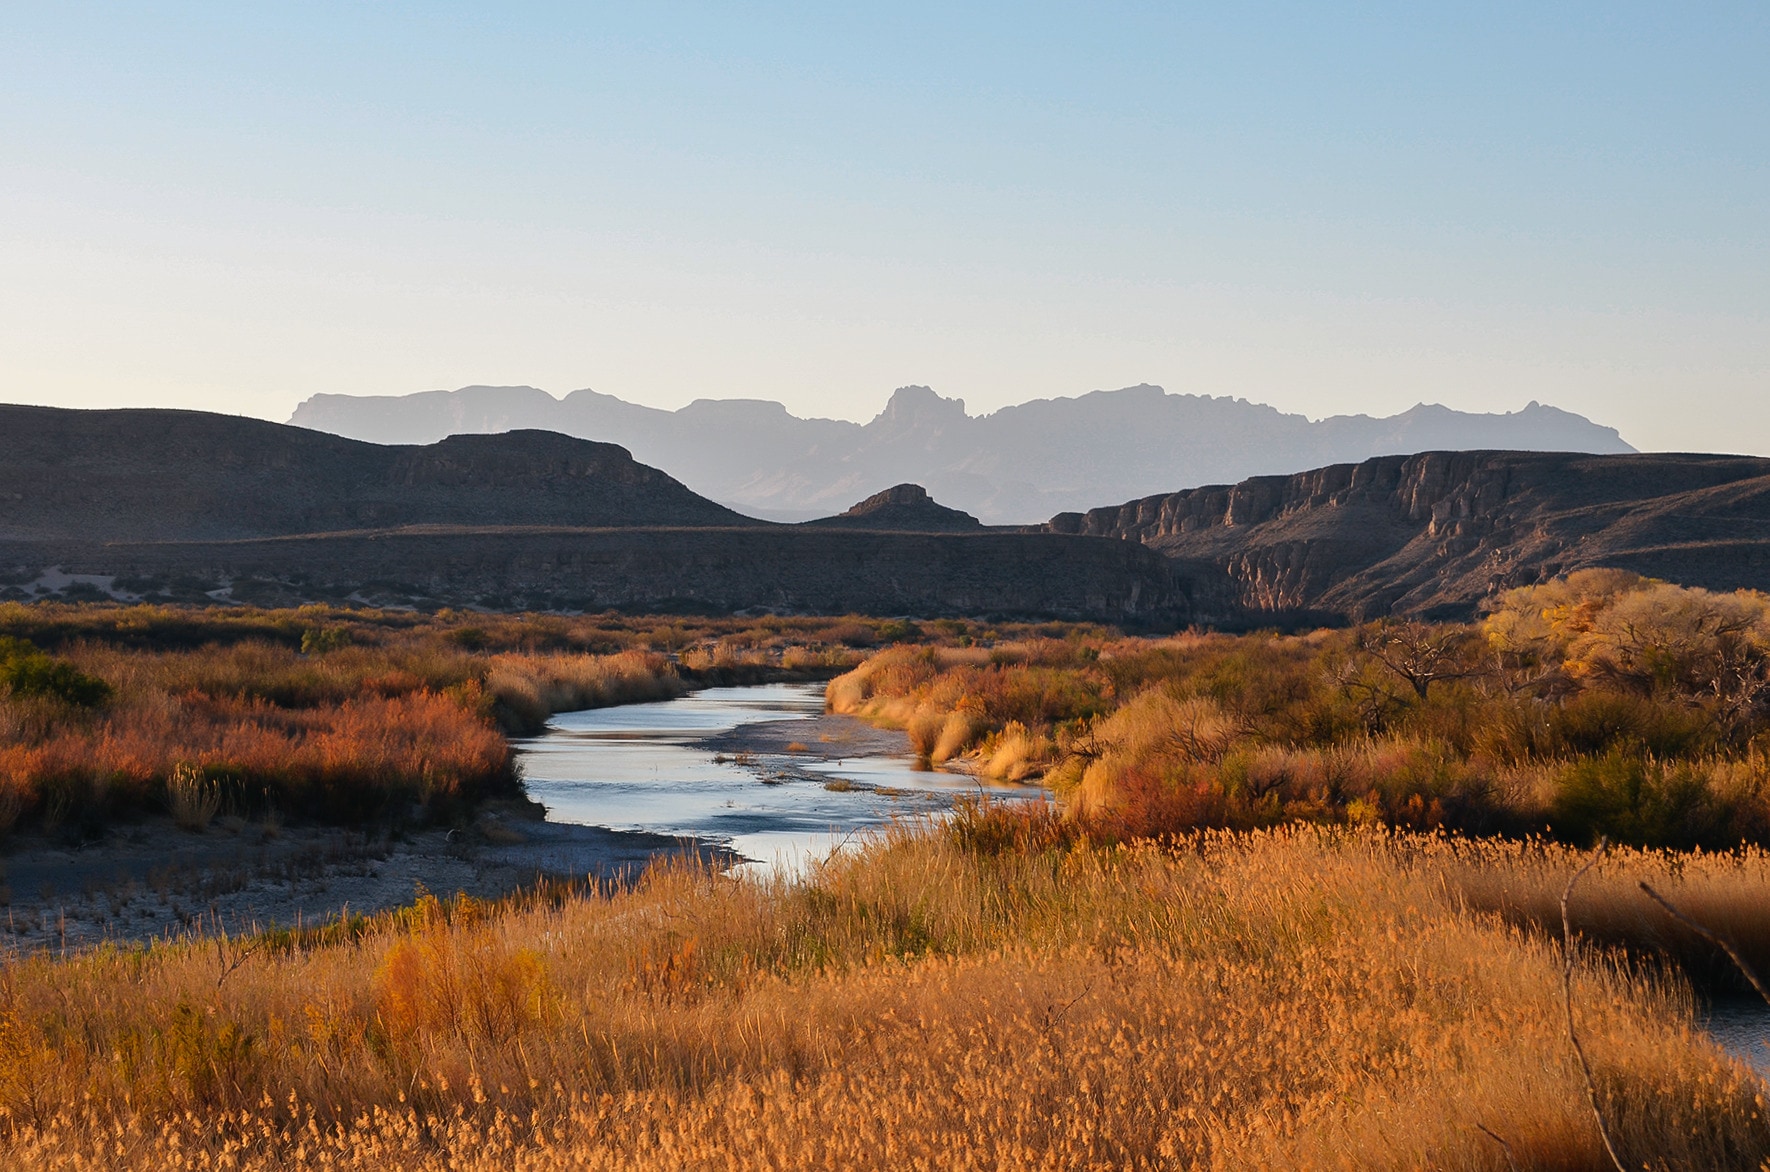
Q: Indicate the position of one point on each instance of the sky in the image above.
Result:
(1332, 208)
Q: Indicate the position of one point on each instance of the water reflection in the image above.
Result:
(1742, 1027)
(638, 767)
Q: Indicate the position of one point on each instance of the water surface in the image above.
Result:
(640, 767)
(1742, 1027)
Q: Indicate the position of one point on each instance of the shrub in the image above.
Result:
(319, 640)
(1629, 798)
(467, 981)
(26, 672)
(1602, 704)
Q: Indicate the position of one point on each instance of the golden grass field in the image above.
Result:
(996, 994)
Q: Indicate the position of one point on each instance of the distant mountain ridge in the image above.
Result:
(190, 506)
(162, 475)
(187, 506)
(1014, 466)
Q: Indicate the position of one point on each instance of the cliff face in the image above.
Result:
(1435, 533)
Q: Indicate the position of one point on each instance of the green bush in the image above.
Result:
(319, 640)
(1598, 721)
(1634, 799)
(25, 671)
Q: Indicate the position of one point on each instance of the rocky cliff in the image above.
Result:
(1435, 533)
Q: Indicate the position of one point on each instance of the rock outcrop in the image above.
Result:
(1434, 534)
(905, 508)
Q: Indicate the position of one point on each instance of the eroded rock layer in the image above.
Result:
(1436, 533)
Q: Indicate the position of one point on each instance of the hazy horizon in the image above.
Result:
(1330, 212)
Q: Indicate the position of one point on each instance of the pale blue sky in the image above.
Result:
(1329, 208)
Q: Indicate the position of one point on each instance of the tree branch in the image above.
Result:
(1579, 1050)
(1715, 938)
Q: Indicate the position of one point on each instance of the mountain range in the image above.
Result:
(1017, 465)
(196, 507)
(189, 506)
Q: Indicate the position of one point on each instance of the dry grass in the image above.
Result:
(528, 688)
(193, 799)
(821, 642)
(1298, 999)
(395, 741)
(1728, 893)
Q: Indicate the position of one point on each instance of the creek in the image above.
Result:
(690, 766)
(1741, 1025)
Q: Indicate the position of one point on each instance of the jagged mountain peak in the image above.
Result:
(913, 407)
(1015, 465)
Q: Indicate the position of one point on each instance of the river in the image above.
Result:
(660, 767)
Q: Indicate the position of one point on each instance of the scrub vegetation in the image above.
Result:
(346, 716)
(1598, 706)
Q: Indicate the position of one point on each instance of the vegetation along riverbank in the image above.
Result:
(996, 993)
(336, 715)
(1603, 705)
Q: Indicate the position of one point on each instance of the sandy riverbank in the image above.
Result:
(819, 738)
(153, 880)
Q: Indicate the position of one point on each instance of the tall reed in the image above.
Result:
(1297, 998)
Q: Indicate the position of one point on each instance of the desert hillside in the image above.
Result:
(189, 506)
(170, 475)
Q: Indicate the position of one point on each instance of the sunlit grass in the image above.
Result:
(1299, 998)
(1603, 705)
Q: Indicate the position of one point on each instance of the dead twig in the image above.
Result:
(1054, 1015)
(1579, 1050)
(241, 956)
(1511, 1160)
(1712, 937)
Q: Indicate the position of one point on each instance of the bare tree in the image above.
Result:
(1422, 654)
